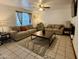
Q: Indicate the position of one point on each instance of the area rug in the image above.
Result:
(60, 47)
(38, 46)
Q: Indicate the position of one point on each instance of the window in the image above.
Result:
(23, 19)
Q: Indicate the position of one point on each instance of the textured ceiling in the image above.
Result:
(27, 3)
(16, 3)
(55, 4)
(54, 1)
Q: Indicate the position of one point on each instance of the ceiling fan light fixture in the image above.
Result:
(41, 5)
(41, 9)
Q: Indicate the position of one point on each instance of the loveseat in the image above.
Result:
(57, 29)
(19, 33)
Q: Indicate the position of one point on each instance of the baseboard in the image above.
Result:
(74, 50)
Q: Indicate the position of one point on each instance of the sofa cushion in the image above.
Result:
(57, 26)
(22, 34)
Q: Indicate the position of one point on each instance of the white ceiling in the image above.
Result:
(26, 3)
(16, 3)
(54, 1)
(10, 2)
(55, 4)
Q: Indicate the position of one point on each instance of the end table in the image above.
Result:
(4, 37)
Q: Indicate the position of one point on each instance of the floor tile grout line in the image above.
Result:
(14, 52)
(11, 51)
(57, 50)
(35, 56)
(30, 53)
(65, 48)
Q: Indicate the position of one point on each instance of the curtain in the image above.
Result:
(30, 16)
(19, 15)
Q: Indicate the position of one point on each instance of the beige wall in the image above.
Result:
(57, 16)
(37, 17)
(7, 17)
(7, 14)
(8, 11)
(58, 13)
(11, 2)
(50, 16)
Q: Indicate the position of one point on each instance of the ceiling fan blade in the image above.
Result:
(41, 5)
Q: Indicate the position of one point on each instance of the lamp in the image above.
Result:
(41, 9)
(3, 23)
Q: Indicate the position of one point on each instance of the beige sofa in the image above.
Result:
(57, 29)
(19, 35)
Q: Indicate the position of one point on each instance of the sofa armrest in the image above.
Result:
(23, 34)
(62, 28)
(32, 30)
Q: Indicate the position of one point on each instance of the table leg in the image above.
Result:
(49, 42)
(1, 43)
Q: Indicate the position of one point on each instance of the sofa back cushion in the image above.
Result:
(57, 26)
(21, 28)
(49, 26)
(29, 27)
(15, 28)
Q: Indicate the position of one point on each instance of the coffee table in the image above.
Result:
(47, 35)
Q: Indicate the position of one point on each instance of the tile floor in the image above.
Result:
(62, 50)
(14, 51)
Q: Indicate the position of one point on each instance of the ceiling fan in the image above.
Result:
(41, 5)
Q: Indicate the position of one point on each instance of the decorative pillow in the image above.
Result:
(61, 26)
(23, 28)
(26, 28)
